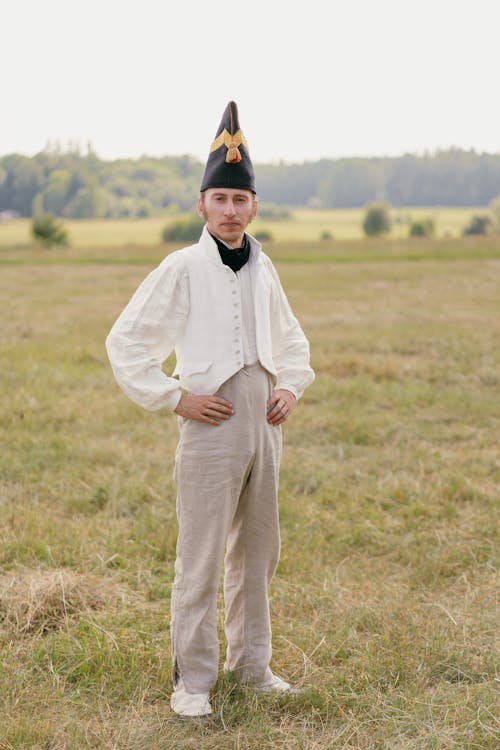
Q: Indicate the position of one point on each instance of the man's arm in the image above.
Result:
(146, 333)
(290, 346)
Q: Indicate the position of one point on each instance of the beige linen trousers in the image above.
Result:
(227, 511)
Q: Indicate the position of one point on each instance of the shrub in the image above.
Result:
(479, 224)
(187, 229)
(422, 228)
(377, 220)
(48, 230)
(326, 235)
(263, 235)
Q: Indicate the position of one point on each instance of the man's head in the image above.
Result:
(227, 212)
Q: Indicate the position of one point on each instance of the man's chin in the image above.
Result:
(230, 235)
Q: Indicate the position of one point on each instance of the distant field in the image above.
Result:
(303, 225)
(383, 606)
(307, 224)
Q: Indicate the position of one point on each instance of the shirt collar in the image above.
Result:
(209, 245)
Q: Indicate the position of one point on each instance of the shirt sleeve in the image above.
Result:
(145, 334)
(290, 346)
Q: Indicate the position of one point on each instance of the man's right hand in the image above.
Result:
(209, 409)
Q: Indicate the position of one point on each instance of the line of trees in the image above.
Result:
(75, 185)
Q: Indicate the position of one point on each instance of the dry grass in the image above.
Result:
(35, 602)
(384, 604)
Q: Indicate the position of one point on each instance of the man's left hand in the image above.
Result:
(280, 406)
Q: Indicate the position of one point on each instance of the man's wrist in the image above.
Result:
(288, 388)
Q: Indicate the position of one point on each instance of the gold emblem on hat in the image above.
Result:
(231, 142)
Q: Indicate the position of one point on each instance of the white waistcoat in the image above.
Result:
(210, 349)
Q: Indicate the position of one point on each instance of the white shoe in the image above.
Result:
(274, 684)
(189, 704)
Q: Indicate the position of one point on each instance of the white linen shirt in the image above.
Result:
(192, 304)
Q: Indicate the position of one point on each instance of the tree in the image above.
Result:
(87, 204)
(352, 182)
(479, 224)
(377, 220)
(23, 181)
(144, 209)
(56, 192)
(47, 230)
(82, 185)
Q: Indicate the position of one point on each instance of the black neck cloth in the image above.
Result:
(234, 257)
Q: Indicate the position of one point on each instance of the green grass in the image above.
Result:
(383, 606)
(303, 225)
(298, 252)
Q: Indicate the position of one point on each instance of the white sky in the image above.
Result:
(312, 78)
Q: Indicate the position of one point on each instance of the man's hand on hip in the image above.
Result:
(280, 406)
(209, 409)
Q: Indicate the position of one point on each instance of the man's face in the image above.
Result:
(227, 212)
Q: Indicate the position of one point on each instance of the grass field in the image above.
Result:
(383, 606)
(303, 224)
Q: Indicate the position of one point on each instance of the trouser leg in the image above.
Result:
(253, 550)
(193, 628)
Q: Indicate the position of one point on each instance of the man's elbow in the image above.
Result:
(113, 345)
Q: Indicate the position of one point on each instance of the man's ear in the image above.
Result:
(255, 209)
(200, 207)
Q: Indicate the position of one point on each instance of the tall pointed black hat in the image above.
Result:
(229, 164)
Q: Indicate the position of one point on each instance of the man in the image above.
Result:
(242, 363)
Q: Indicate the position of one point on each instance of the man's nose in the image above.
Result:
(229, 208)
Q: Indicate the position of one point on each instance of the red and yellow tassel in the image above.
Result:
(233, 155)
